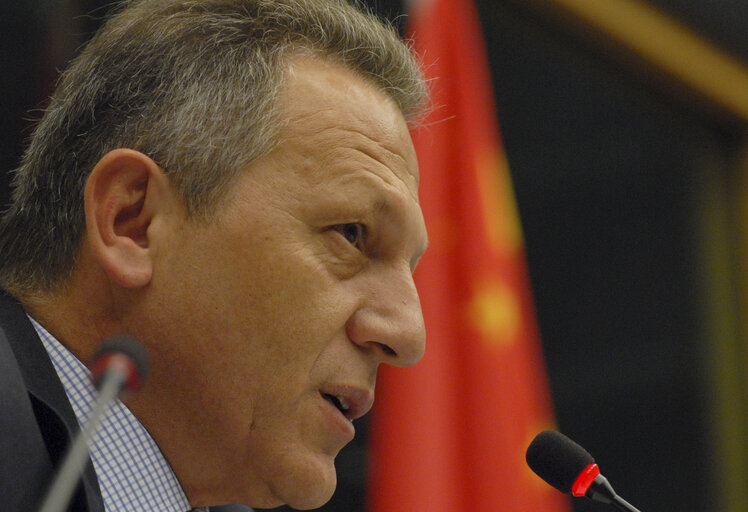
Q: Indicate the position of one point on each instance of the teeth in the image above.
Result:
(338, 401)
(343, 403)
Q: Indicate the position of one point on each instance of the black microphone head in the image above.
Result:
(557, 459)
(137, 366)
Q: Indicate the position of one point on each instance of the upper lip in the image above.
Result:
(360, 400)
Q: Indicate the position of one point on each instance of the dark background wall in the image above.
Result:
(609, 171)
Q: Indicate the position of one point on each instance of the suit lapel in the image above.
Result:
(51, 406)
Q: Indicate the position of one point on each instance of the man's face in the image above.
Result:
(267, 324)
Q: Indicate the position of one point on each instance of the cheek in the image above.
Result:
(276, 313)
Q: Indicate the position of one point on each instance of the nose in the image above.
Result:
(389, 321)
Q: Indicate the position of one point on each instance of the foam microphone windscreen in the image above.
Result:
(557, 459)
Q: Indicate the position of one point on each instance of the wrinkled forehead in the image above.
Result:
(322, 100)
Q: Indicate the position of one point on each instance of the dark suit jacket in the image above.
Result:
(37, 421)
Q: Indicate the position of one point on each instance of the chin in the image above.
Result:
(311, 501)
(307, 486)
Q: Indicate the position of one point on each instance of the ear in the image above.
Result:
(123, 194)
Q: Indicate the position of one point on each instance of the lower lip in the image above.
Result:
(342, 426)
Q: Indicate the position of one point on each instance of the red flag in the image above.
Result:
(450, 433)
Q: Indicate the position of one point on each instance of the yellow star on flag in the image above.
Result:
(494, 311)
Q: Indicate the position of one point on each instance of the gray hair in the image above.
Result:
(192, 84)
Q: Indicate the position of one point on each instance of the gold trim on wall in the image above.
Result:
(673, 49)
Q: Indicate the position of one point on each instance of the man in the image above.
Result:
(232, 183)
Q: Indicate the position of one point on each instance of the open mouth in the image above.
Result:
(340, 402)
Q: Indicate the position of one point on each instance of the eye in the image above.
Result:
(354, 233)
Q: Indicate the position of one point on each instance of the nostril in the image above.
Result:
(387, 350)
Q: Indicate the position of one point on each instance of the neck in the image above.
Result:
(80, 315)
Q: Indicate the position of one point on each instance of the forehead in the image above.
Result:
(326, 108)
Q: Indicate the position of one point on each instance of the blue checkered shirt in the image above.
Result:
(133, 473)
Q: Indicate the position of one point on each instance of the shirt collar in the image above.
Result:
(133, 473)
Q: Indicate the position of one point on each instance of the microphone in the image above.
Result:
(569, 468)
(123, 361)
(120, 366)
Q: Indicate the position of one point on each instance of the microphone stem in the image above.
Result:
(602, 491)
(63, 486)
(623, 505)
